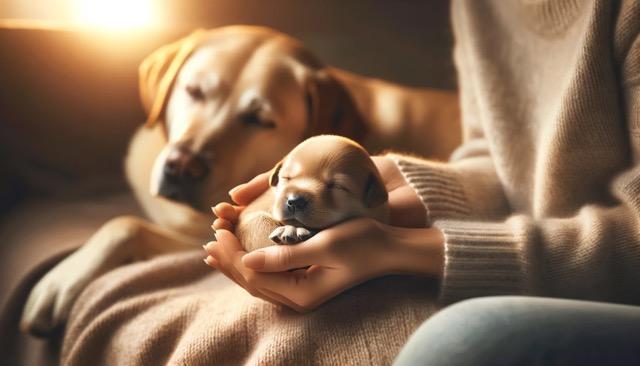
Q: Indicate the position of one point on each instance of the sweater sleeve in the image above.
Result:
(593, 255)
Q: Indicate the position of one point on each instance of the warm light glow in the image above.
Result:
(115, 14)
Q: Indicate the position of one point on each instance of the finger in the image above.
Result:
(229, 248)
(226, 211)
(222, 224)
(229, 242)
(211, 262)
(278, 258)
(224, 263)
(229, 251)
(246, 193)
(209, 248)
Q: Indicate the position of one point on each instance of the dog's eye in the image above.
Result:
(254, 119)
(334, 185)
(195, 92)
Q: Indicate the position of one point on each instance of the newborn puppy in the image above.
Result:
(323, 181)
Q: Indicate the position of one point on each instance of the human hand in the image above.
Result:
(305, 275)
(323, 266)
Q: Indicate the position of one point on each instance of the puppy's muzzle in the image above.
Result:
(296, 203)
(182, 176)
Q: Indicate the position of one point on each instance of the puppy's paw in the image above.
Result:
(288, 234)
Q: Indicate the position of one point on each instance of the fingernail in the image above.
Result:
(209, 261)
(254, 260)
(235, 189)
(208, 246)
(214, 228)
(213, 209)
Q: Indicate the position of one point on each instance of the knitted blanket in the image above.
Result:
(175, 310)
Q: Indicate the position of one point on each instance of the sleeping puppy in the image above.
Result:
(323, 181)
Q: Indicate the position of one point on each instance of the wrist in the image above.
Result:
(406, 208)
(416, 251)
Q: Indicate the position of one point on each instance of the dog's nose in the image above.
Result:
(182, 163)
(296, 202)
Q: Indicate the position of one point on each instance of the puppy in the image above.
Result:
(323, 181)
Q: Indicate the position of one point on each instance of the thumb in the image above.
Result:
(245, 193)
(278, 258)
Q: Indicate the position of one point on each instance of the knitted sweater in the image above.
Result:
(543, 197)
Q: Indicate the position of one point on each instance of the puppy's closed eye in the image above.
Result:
(335, 185)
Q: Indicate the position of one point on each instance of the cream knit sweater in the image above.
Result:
(543, 197)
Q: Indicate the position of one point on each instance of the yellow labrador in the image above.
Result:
(224, 105)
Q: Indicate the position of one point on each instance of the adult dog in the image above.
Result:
(224, 105)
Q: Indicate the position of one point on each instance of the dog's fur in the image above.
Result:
(224, 105)
(323, 181)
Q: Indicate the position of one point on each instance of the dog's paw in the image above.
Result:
(288, 234)
(50, 301)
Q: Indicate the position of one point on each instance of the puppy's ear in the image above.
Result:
(375, 194)
(331, 108)
(158, 71)
(273, 178)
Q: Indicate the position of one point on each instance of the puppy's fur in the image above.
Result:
(224, 105)
(323, 181)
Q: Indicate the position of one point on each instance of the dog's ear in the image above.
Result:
(375, 194)
(158, 71)
(330, 107)
(273, 178)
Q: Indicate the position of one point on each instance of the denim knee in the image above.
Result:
(510, 330)
(465, 333)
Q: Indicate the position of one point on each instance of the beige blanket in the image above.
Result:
(175, 310)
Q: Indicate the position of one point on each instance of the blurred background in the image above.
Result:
(69, 99)
(68, 69)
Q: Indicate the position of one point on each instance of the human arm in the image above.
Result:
(339, 258)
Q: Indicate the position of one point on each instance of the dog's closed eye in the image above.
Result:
(195, 92)
(254, 118)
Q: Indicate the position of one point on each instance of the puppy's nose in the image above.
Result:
(182, 163)
(296, 202)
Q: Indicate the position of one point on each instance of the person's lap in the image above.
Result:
(512, 330)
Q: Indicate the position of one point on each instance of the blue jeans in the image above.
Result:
(509, 330)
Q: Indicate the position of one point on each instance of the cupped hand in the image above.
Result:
(305, 275)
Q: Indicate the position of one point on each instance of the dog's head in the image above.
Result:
(325, 180)
(233, 101)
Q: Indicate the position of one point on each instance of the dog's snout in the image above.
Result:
(296, 202)
(182, 163)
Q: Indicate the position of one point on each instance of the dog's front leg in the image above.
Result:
(120, 240)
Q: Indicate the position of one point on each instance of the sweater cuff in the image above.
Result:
(437, 185)
(482, 259)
